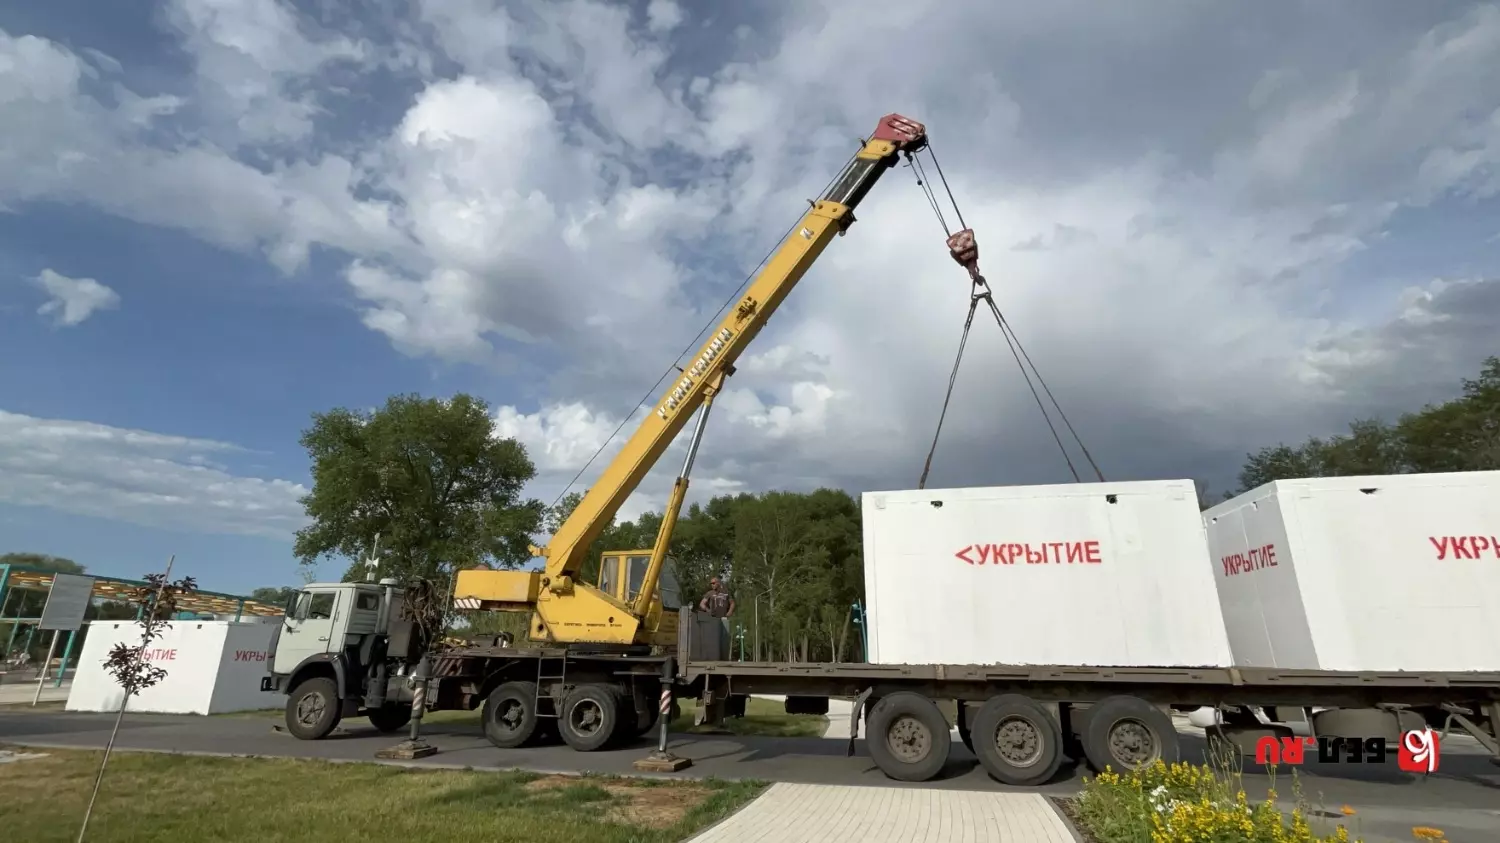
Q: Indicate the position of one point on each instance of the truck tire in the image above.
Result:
(1127, 733)
(509, 715)
(1017, 741)
(908, 737)
(390, 718)
(313, 709)
(590, 717)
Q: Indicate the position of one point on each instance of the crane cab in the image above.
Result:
(621, 574)
(618, 579)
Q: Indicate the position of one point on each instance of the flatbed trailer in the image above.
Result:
(1021, 722)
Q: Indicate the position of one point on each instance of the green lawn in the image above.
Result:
(762, 717)
(149, 797)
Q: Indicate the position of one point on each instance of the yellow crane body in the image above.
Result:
(611, 611)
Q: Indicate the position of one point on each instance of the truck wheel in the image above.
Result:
(509, 715)
(1017, 741)
(590, 717)
(1128, 733)
(391, 717)
(313, 709)
(908, 737)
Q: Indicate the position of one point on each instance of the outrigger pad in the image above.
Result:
(408, 751)
(662, 762)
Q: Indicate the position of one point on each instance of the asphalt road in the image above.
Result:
(1463, 797)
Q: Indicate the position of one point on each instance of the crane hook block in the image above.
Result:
(907, 134)
(965, 250)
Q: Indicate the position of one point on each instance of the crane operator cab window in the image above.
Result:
(635, 565)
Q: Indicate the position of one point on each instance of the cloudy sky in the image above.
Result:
(1215, 227)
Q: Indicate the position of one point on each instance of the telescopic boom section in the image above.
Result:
(829, 216)
(566, 610)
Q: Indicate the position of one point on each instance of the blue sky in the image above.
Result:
(293, 209)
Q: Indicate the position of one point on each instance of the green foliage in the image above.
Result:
(43, 561)
(1460, 435)
(1160, 803)
(425, 475)
(791, 560)
(273, 595)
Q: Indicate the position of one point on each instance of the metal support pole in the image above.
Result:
(41, 678)
(67, 656)
(414, 747)
(661, 760)
(5, 595)
(239, 612)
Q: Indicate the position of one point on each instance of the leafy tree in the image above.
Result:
(43, 561)
(272, 595)
(797, 555)
(703, 544)
(1460, 435)
(428, 477)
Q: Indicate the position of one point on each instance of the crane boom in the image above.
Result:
(604, 618)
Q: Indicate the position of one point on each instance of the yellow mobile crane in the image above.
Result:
(624, 606)
(350, 648)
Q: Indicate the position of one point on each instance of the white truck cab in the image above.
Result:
(342, 649)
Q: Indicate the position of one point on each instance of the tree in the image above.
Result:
(129, 666)
(272, 595)
(43, 561)
(1460, 435)
(428, 477)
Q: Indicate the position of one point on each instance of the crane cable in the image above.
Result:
(964, 250)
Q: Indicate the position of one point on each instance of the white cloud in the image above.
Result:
(138, 476)
(663, 15)
(1171, 212)
(72, 300)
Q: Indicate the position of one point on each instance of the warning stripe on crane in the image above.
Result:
(666, 700)
(466, 602)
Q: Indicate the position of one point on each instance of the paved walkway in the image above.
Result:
(807, 813)
(21, 692)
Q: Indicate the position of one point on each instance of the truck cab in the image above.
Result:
(341, 650)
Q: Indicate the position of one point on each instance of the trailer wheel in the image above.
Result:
(389, 718)
(1128, 733)
(313, 709)
(590, 717)
(908, 736)
(509, 715)
(1017, 741)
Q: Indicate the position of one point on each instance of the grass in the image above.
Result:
(764, 718)
(1165, 803)
(152, 797)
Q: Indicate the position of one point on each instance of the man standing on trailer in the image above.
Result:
(718, 603)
